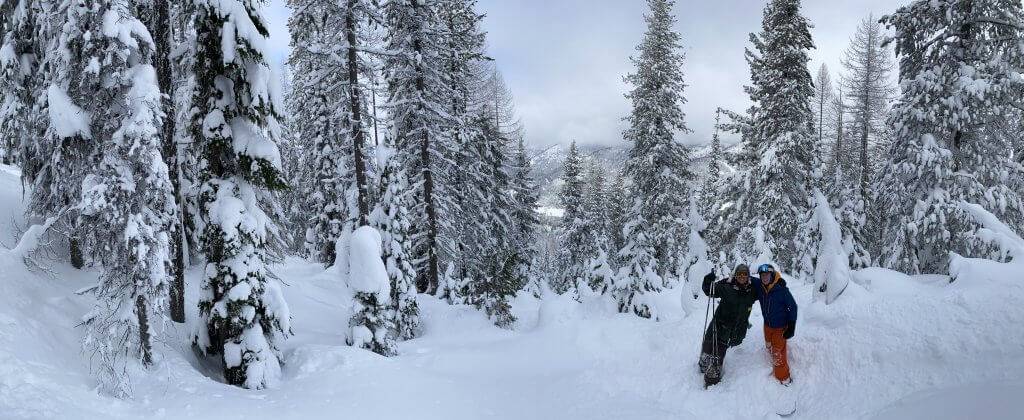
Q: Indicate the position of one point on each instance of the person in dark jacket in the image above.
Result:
(730, 322)
(779, 310)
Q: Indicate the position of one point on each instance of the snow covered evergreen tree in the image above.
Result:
(657, 164)
(56, 163)
(712, 186)
(596, 203)
(127, 210)
(485, 259)
(618, 207)
(959, 71)
(775, 192)
(516, 202)
(242, 314)
(831, 259)
(507, 263)
(295, 169)
(525, 197)
(697, 262)
(160, 18)
(19, 60)
(574, 234)
(29, 59)
(373, 323)
(326, 179)
(391, 218)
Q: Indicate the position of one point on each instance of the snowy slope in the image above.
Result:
(891, 347)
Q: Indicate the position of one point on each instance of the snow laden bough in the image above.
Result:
(998, 234)
(697, 260)
(832, 259)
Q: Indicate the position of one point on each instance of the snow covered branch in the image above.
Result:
(997, 233)
(832, 262)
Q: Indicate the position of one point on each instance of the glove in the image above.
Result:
(790, 331)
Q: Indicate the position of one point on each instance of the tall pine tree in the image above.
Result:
(775, 192)
(868, 90)
(127, 210)
(242, 314)
(657, 164)
(574, 234)
(417, 102)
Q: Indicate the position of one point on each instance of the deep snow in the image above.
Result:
(891, 347)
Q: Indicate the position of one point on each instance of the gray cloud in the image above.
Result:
(565, 59)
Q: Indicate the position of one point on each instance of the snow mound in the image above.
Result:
(367, 273)
(315, 360)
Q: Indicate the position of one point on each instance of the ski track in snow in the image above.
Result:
(891, 347)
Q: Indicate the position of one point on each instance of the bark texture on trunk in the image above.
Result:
(429, 283)
(160, 26)
(356, 116)
(144, 340)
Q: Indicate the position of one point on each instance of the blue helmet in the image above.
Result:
(765, 268)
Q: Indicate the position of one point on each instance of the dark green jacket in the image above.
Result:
(731, 318)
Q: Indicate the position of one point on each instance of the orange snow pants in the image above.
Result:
(776, 344)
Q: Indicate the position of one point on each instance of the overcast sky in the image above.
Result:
(565, 59)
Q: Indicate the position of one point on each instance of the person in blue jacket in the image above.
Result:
(779, 310)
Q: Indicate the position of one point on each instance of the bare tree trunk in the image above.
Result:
(75, 253)
(356, 116)
(373, 97)
(144, 340)
(821, 121)
(870, 70)
(839, 134)
(865, 132)
(430, 282)
(161, 29)
(966, 36)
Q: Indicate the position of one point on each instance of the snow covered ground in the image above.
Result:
(891, 347)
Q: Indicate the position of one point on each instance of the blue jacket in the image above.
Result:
(777, 304)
